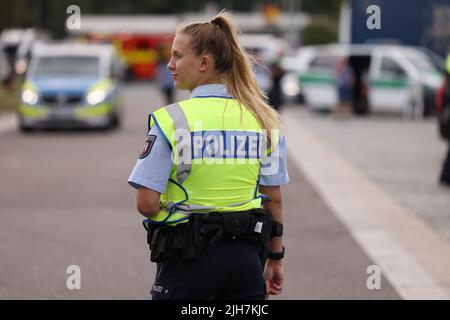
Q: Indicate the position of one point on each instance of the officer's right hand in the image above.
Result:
(274, 277)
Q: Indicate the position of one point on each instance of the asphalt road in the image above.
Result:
(64, 201)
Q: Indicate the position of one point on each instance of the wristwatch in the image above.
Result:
(276, 255)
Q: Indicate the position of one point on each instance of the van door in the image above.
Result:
(389, 88)
(318, 83)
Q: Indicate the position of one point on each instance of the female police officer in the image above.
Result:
(203, 174)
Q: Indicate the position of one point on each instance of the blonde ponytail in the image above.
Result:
(219, 37)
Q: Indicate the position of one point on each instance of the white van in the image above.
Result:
(388, 78)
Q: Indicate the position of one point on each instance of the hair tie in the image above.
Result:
(214, 22)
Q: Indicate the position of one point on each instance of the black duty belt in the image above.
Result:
(209, 229)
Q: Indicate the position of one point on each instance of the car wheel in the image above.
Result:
(25, 129)
(429, 105)
(115, 121)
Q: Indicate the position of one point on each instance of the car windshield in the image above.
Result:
(422, 62)
(68, 65)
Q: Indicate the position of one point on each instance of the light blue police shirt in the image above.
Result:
(153, 171)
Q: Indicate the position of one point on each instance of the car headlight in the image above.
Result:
(96, 97)
(29, 97)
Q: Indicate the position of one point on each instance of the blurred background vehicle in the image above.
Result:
(71, 85)
(270, 47)
(267, 52)
(388, 78)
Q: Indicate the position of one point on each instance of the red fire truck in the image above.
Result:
(139, 40)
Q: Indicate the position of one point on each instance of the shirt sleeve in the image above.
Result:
(152, 169)
(274, 169)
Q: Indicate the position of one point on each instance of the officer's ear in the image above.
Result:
(206, 62)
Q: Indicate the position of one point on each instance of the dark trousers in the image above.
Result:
(445, 174)
(229, 270)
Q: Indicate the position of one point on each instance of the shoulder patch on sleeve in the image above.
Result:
(149, 141)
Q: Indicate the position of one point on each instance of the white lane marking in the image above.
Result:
(7, 123)
(373, 218)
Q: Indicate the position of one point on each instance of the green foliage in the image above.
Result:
(317, 33)
(9, 97)
(324, 7)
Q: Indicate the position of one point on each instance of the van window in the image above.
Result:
(390, 68)
(324, 62)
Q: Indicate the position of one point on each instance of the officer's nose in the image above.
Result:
(171, 65)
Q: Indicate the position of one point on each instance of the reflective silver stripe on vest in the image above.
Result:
(183, 141)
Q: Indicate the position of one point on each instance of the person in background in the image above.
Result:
(275, 97)
(164, 77)
(345, 82)
(262, 72)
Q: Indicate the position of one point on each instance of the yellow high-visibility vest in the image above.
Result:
(216, 150)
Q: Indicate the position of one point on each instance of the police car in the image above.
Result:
(388, 78)
(71, 85)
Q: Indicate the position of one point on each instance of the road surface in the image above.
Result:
(64, 200)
